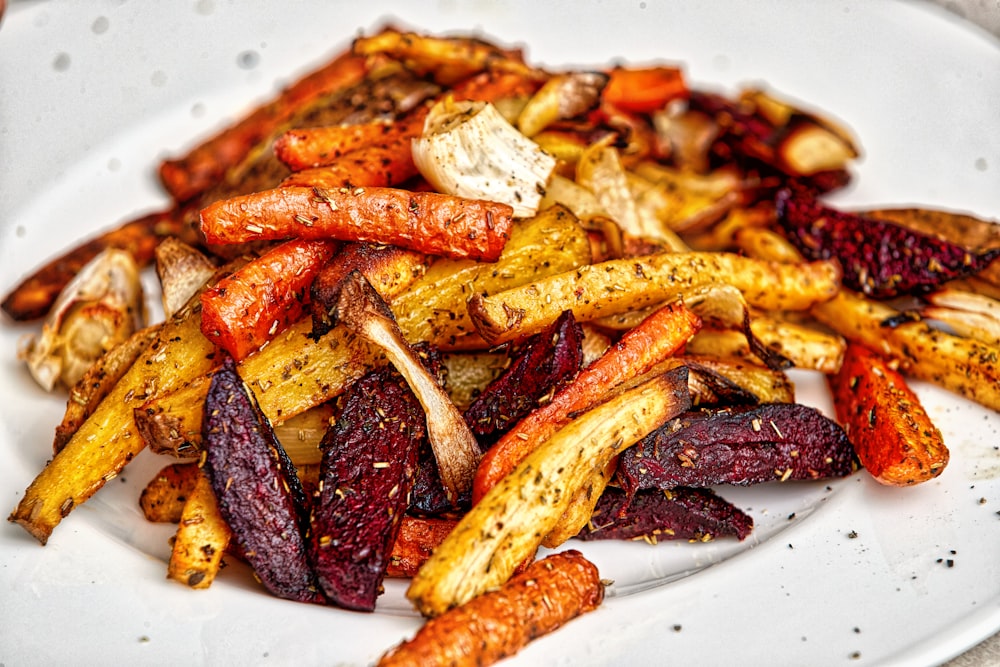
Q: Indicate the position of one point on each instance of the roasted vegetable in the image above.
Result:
(97, 310)
(182, 271)
(246, 309)
(562, 96)
(879, 258)
(162, 499)
(616, 286)
(681, 513)
(892, 435)
(456, 451)
(506, 527)
(738, 445)
(544, 364)
(260, 496)
(499, 623)
(202, 536)
(416, 541)
(423, 221)
(468, 149)
(369, 463)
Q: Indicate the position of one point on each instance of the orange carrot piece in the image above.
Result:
(644, 90)
(319, 146)
(417, 538)
(318, 157)
(498, 624)
(424, 221)
(657, 337)
(250, 306)
(204, 166)
(892, 434)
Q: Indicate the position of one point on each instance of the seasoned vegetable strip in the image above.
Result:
(259, 494)
(369, 462)
(205, 165)
(738, 445)
(506, 527)
(416, 541)
(892, 435)
(681, 513)
(424, 221)
(659, 336)
(201, 539)
(497, 624)
(249, 307)
(880, 259)
(544, 364)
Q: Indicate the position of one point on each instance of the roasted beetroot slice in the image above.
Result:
(679, 514)
(429, 497)
(368, 467)
(543, 364)
(879, 258)
(738, 445)
(257, 487)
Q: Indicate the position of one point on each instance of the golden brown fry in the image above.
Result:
(508, 524)
(201, 539)
(617, 286)
(163, 498)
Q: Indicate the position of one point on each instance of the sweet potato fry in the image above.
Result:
(615, 286)
(508, 524)
(659, 336)
(424, 221)
(249, 307)
(205, 165)
(892, 435)
(201, 539)
(416, 541)
(495, 625)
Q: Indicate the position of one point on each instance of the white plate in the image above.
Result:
(95, 93)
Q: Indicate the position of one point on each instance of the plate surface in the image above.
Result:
(850, 573)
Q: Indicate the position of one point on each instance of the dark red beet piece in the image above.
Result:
(679, 514)
(879, 258)
(542, 365)
(738, 445)
(257, 487)
(367, 472)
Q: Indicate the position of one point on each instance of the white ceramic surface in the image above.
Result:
(94, 94)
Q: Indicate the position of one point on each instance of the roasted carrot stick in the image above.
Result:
(417, 538)
(204, 166)
(317, 146)
(657, 337)
(424, 221)
(497, 624)
(892, 434)
(644, 90)
(250, 306)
